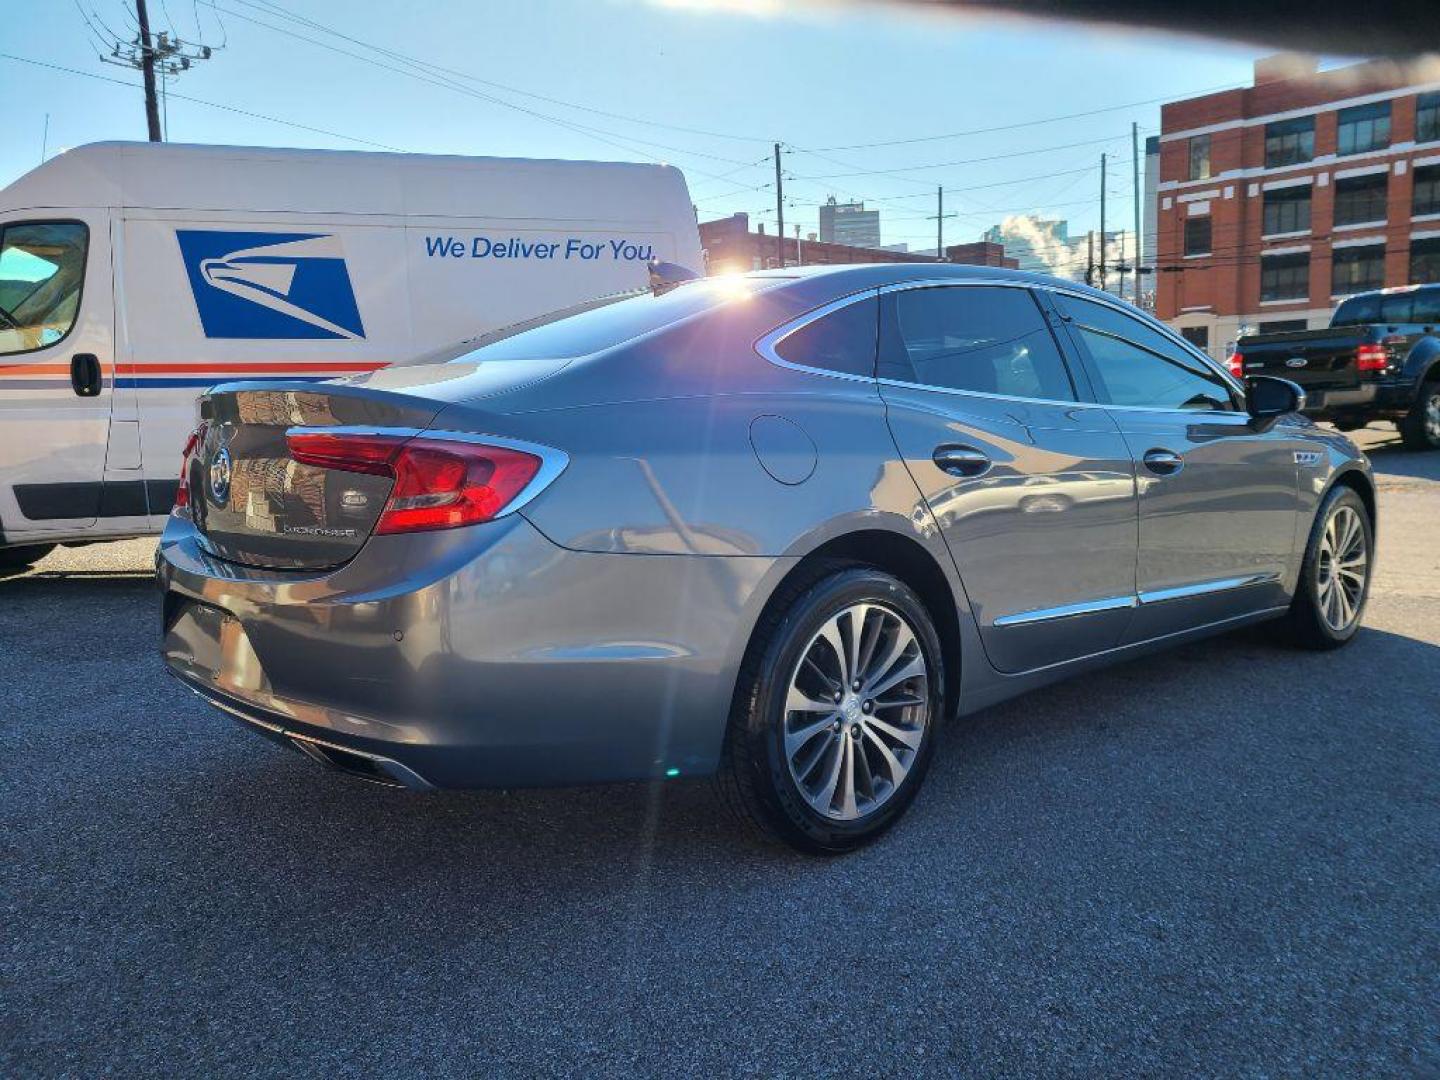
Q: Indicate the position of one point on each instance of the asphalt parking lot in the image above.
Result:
(1221, 861)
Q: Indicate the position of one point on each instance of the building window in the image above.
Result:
(1425, 261)
(1360, 199)
(1364, 127)
(1281, 326)
(1357, 269)
(1200, 157)
(1289, 142)
(1285, 277)
(1197, 236)
(1287, 210)
(1427, 117)
(1427, 190)
(1199, 336)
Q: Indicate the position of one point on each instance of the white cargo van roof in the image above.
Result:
(179, 176)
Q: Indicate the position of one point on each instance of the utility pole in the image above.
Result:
(799, 255)
(45, 139)
(1123, 268)
(1102, 224)
(779, 213)
(147, 66)
(940, 217)
(161, 53)
(1090, 257)
(1135, 175)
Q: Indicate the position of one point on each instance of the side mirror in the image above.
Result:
(1267, 397)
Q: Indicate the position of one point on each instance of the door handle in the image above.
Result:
(962, 460)
(85, 375)
(1164, 462)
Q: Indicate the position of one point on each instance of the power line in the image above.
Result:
(1031, 123)
(201, 101)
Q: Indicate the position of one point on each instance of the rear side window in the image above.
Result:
(983, 339)
(1137, 366)
(842, 340)
(42, 269)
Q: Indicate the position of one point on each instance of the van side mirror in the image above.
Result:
(1267, 397)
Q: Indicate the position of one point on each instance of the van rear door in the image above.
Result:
(57, 371)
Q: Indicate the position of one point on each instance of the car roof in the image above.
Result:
(871, 275)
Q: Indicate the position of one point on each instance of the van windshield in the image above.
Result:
(42, 266)
(568, 334)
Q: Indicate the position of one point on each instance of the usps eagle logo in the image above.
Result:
(270, 285)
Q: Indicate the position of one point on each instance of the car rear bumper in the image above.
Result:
(1373, 399)
(478, 657)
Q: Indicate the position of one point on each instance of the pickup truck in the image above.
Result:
(1379, 359)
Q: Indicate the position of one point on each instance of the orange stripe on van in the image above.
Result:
(249, 368)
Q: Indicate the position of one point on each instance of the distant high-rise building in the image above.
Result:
(849, 223)
(1043, 246)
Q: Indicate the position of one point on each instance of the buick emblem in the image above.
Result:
(1296, 361)
(220, 470)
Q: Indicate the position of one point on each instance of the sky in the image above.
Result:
(707, 85)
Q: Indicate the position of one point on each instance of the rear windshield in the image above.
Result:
(1358, 310)
(613, 323)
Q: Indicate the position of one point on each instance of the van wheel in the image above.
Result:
(1335, 576)
(1420, 430)
(835, 713)
(15, 558)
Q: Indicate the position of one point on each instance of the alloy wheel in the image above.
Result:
(1432, 417)
(856, 711)
(1342, 568)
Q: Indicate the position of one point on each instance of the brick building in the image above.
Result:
(1277, 200)
(730, 247)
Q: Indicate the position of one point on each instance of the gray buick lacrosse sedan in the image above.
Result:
(777, 528)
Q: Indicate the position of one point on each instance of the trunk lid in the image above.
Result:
(252, 503)
(1321, 359)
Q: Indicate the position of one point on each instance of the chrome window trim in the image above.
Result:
(767, 345)
(553, 462)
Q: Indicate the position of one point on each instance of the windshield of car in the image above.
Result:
(611, 324)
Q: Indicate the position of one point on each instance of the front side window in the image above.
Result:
(1287, 210)
(42, 269)
(1285, 277)
(1425, 268)
(1199, 157)
(987, 340)
(842, 340)
(1135, 365)
(1426, 198)
(1360, 199)
(1289, 142)
(1197, 236)
(1364, 127)
(1427, 117)
(1356, 269)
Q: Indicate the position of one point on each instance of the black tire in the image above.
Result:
(1420, 430)
(755, 777)
(1309, 627)
(16, 558)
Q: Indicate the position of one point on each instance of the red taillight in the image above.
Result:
(439, 483)
(1236, 363)
(1371, 358)
(192, 444)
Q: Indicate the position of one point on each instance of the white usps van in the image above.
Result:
(134, 275)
